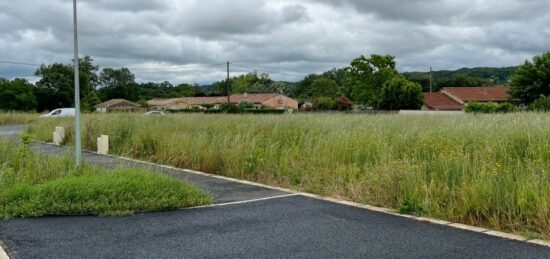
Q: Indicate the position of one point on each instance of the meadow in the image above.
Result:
(35, 185)
(17, 118)
(483, 170)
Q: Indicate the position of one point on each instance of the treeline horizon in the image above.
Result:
(55, 88)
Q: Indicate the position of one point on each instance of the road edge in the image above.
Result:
(3, 253)
(388, 211)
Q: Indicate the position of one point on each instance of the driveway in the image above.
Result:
(247, 221)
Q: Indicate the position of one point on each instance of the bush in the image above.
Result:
(475, 107)
(231, 108)
(244, 104)
(541, 105)
(324, 104)
(400, 93)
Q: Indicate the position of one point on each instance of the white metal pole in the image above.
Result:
(76, 91)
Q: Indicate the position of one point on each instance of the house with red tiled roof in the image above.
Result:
(456, 98)
(269, 100)
(117, 105)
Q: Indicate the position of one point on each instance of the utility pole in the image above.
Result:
(227, 85)
(431, 80)
(76, 90)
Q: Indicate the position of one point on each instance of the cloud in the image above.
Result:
(289, 38)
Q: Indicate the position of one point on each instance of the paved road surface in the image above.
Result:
(281, 226)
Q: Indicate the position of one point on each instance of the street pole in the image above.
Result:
(76, 91)
(227, 85)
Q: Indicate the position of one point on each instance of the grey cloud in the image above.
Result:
(294, 37)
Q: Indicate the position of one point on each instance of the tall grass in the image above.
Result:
(485, 170)
(33, 185)
(17, 118)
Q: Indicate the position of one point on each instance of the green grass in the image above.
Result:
(484, 170)
(18, 118)
(33, 185)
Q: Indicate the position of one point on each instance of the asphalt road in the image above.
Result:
(277, 227)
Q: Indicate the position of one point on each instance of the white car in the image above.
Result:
(62, 112)
(154, 113)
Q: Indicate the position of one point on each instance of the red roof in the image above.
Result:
(478, 94)
(440, 101)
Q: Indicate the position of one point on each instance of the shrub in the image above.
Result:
(324, 104)
(475, 107)
(400, 93)
(231, 108)
(542, 104)
(245, 104)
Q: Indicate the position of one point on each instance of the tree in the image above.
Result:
(368, 75)
(118, 83)
(324, 87)
(532, 79)
(17, 95)
(56, 87)
(400, 93)
(90, 101)
(343, 103)
(541, 105)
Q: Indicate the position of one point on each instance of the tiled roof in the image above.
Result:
(255, 98)
(115, 102)
(161, 102)
(478, 94)
(235, 98)
(440, 101)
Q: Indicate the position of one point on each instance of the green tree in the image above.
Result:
(90, 101)
(368, 75)
(532, 79)
(324, 87)
(17, 95)
(399, 93)
(55, 89)
(118, 83)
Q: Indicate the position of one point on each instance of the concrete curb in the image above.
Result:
(3, 253)
(344, 202)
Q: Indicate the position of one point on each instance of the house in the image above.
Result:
(271, 100)
(456, 98)
(167, 104)
(117, 105)
(268, 100)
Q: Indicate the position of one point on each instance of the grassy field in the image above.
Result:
(33, 185)
(18, 118)
(484, 170)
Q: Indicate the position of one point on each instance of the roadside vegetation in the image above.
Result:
(34, 185)
(485, 170)
(10, 118)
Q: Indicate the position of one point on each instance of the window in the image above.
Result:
(56, 112)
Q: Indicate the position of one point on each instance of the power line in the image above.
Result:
(19, 63)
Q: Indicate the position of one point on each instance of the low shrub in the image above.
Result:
(541, 105)
(475, 107)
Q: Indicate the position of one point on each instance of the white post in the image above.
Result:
(103, 145)
(77, 140)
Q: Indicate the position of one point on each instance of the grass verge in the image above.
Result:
(33, 185)
(484, 170)
(18, 118)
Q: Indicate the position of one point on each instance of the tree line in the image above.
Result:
(370, 82)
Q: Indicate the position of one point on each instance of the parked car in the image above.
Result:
(61, 112)
(154, 113)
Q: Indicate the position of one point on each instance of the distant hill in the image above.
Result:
(464, 77)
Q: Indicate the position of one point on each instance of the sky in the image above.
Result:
(190, 40)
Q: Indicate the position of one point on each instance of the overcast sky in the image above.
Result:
(291, 37)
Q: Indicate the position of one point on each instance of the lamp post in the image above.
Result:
(76, 91)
